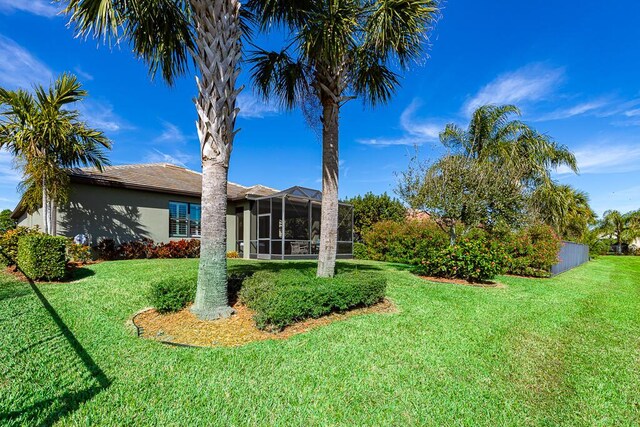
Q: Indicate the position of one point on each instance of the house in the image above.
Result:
(161, 202)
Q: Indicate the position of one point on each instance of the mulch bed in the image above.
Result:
(183, 328)
(71, 268)
(486, 284)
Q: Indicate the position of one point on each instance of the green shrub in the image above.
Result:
(472, 260)
(360, 251)
(42, 257)
(532, 250)
(9, 244)
(407, 242)
(173, 293)
(78, 253)
(282, 298)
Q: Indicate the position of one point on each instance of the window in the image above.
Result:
(184, 219)
(195, 213)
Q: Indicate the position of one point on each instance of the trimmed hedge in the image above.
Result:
(407, 242)
(42, 256)
(282, 298)
(172, 294)
(9, 244)
(473, 260)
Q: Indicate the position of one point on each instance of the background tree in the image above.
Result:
(493, 135)
(461, 192)
(337, 50)
(6, 222)
(165, 34)
(46, 136)
(564, 208)
(623, 228)
(370, 209)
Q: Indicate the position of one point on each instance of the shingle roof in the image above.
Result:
(156, 177)
(162, 178)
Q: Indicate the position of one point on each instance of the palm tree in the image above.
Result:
(619, 226)
(45, 136)
(165, 34)
(565, 209)
(493, 135)
(337, 50)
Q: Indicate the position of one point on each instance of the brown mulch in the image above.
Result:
(485, 284)
(71, 267)
(184, 328)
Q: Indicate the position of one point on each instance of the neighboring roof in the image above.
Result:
(157, 177)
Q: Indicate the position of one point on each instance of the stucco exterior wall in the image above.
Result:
(120, 214)
(117, 213)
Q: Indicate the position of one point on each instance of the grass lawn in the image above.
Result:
(564, 351)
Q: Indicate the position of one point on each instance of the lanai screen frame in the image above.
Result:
(262, 247)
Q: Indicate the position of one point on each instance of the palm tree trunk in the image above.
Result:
(219, 51)
(211, 298)
(329, 213)
(45, 208)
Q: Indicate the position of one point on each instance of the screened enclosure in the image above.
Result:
(286, 225)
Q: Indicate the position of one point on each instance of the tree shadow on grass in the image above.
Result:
(48, 411)
(80, 273)
(341, 267)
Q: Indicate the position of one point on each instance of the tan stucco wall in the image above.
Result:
(120, 214)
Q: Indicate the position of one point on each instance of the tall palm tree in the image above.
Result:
(337, 50)
(46, 136)
(493, 135)
(619, 226)
(166, 34)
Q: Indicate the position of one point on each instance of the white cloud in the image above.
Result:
(171, 133)
(632, 113)
(101, 116)
(176, 158)
(416, 132)
(19, 68)
(83, 74)
(531, 83)
(254, 108)
(577, 110)
(37, 7)
(606, 157)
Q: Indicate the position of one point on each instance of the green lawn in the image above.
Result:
(564, 351)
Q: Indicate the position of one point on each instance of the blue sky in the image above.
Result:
(571, 66)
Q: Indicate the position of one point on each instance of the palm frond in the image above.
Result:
(277, 75)
(400, 28)
(160, 30)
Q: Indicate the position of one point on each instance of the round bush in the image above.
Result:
(472, 260)
(172, 294)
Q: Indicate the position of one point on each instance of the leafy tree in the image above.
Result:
(370, 209)
(623, 228)
(6, 222)
(491, 172)
(460, 191)
(337, 50)
(46, 136)
(166, 34)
